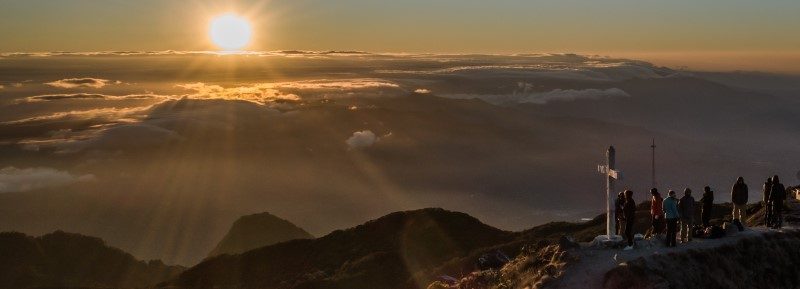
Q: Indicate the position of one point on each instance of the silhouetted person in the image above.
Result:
(657, 212)
(619, 207)
(630, 218)
(768, 217)
(777, 194)
(686, 209)
(739, 195)
(708, 205)
(671, 216)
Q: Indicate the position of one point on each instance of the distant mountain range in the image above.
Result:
(257, 230)
(387, 253)
(64, 260)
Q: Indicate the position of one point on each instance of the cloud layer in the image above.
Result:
(20, 180)
(264, 93)
(80, 83)
(525, 95)
(77, 96)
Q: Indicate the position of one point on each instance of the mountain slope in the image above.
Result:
(257, 230)
(386, 252)
(70, 260)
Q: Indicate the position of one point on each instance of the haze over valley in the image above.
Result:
(159, 152)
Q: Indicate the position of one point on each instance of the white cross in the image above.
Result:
(612, 174)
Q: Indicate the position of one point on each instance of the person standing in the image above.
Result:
(619, 206)
(630, 218)
(777, 195)
(686, 211)
(708, 205)
(767, 202)
(671, 215)
(739, 195)
(657, 212)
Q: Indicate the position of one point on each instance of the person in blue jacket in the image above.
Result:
(671, 215)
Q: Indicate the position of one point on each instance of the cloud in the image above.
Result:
(525, 94)
(422, 91)
(128, 136)
(79, 82)
(71, 96)
(336, 85)
(264, 93)
(258, 93)
(109, 137)
(20, 180)
(112, 114)
(362, 139)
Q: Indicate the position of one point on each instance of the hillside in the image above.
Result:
(70, 260)
(257, 230)
(756, 258)
(386, 251)
(761, 260)
(400, 250)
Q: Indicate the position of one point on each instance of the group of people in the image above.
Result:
(677, 215)
(774, 196)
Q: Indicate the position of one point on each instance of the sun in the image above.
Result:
(230, 31)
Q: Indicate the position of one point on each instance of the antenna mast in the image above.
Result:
(653, 168)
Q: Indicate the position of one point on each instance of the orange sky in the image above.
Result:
(706, 34)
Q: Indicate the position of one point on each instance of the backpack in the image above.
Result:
(714, 232)
(699, 232)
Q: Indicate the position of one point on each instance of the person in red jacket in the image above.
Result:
(657, 212)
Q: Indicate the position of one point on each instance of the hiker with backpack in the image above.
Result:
(767, 202)
(657, 212)
(708, 205)
(629, 210)
(739, 196)
(777, 195)
(686, 211)
(671, 215)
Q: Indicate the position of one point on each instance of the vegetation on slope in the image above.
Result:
(63, 260)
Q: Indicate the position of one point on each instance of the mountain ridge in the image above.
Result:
(257, 230)
(61, 259)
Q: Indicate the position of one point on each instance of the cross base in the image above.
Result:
(606, 241)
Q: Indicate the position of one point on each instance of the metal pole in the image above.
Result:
(653, 147)
(611, 225)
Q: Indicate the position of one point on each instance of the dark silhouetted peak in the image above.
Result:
(257, 230)
(396, 250)
(71, 260)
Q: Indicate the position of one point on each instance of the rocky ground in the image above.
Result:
(734, 261)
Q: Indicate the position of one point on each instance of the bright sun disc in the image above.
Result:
(230, 32)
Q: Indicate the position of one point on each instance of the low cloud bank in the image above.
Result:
(103, 115)
(264, 93)
(20, 180)
(80, 82)
(76, 96)
(524, 94)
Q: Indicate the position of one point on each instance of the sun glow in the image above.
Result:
(230, 31)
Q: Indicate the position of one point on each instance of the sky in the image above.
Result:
(732, 28)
